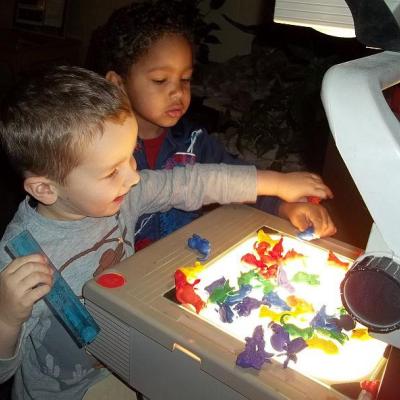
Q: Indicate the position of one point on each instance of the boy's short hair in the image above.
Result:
(47, 122)
(131, 30)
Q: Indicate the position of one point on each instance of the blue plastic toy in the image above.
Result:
(201, 245)
(63, 302)
(308, 234)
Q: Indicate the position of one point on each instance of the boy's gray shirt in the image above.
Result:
(47, 363)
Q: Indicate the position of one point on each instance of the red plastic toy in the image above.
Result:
(370, 386)
(332, 259)
(314, 199)
(185, 293)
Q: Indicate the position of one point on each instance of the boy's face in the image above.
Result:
(158, 85)
(98, 185)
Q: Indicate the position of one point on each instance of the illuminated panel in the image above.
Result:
(354, 361)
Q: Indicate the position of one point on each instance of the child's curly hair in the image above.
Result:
(130, 32)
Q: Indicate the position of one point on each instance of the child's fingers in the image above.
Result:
(315, 178)
(319, 185)
(323, 225)
(20, 286)
(318, 227)
(30, 268)
(21, 289)
(37, 293)
(310, 176)
(34, 279)
(322, 191)
(330, 228)
(328, 191)
(22, 261)
(301, 222)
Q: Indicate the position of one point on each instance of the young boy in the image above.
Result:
(72, 134)
(146, 49)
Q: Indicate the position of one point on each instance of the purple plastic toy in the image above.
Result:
(254, 354)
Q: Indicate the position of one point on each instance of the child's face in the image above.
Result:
(98, 185)
(158, 84)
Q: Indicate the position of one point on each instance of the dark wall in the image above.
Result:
(6, 13)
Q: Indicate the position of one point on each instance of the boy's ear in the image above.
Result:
(116, 79)
(41, 188)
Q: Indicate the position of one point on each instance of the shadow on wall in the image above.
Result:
(10, 183)
(11, 193)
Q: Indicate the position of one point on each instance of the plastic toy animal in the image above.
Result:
(225, 313)
(213, 285)
(220, 293)
(280, 341)
(246, 306)
(308, 234)
(272, 299)
(327, 346)
(280, 338)
(292, 348)
(185, 293)
(304, 277)
(335, 262)
(254, 354)
(201, 245)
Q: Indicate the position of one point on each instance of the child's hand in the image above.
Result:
(291, 186)
(304, 215)
(23, 282)
(295, 185)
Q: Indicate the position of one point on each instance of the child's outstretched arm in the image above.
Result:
(304, 215)
(23, 282)
(291, 186)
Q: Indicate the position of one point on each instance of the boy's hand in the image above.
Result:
(23, 282)
(304, 215)
(292, 186)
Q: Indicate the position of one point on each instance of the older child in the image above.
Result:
(72, 134)
(146, 49)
